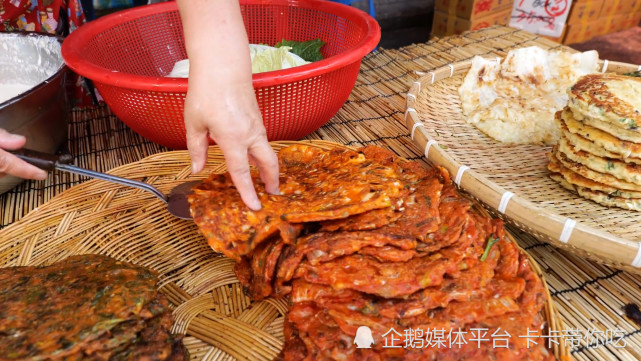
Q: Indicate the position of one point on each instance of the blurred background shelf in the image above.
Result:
(403, 22)
(606, 26)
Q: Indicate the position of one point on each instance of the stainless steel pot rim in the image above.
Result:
(35, 88)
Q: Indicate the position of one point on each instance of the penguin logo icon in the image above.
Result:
(363, 337)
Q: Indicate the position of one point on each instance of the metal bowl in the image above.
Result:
(41, 112)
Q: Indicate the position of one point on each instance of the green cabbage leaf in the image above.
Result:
(308, 50)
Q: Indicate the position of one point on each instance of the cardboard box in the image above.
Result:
(599, 27)
(612, 7)
(632, 20)
(612, 23)
(440, 24)
(448, 24)
(472, 9)
(630, 6)
(576, 33)
(572, 34)
(616, 23)
(615, 15)
(586, 11)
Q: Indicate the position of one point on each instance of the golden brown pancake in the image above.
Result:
(593, 175)
(627, 172)
(600, 138)
(581, 143)
(610, 102)
(573, 178)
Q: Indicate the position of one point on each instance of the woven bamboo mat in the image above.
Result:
(589, 297)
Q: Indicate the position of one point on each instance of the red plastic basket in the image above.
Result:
(127, 55)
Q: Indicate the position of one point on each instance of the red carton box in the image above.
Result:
(448, 24)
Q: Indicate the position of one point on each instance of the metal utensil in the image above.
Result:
(176, 200)
(40, 113)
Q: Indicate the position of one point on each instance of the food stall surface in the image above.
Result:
(596, 303)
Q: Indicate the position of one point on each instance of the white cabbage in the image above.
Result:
(267, 58)
(263, 57)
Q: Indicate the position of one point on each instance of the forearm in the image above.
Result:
(220, 101)
(216, 41)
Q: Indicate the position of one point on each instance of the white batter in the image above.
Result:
(8, 91)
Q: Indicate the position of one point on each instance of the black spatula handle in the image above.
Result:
(42, 160)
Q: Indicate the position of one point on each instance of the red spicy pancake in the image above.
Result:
(413, 213)
(386, 279)
(420, 215)
(459, 286)
(243, 271)
(263, 269)
(366, 274)
(421, 204)
(389, 254)
(466, 302)
(428, 260)
(315, 185)
(326, 246)
(481, 312)
(258, 289)
(364, 221)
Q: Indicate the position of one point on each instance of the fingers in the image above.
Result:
(238, 167)
(197, 144)
(11, 141)
(10, 164)
(267, 162)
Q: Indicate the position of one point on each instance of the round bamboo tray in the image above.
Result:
(512, 180)
(209, 306)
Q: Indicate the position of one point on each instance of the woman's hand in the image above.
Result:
(221, 100)
(12, 165)
(231, 116)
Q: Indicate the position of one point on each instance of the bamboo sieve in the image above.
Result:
(512, 180)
